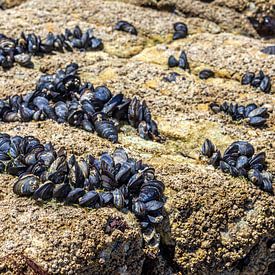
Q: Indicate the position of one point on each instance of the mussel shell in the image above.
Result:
(124, 173)
(265, 84)
(208, 148)
(26, 114)
(249, 108)
(225, 167)
(135, 112)
(155, 219)
(102, 94)
(267, 185)
(179, 26)
(205, 74)
(89, 199)
(106, 198)
(5, 145)
(172, 61)
(156, 183)
(40, 102)
(61, 110)
(258, 159)
(247, 78)
(106, 129)
(139, 208)
(256, 82)
(215, 107)
(179, 35)
(143, 130)
(153, 206)
(26, 185)
(242, 162)
(149, 193)
(260, 111)
(4, 156)
(126, 27)
(48, 157)
(61, 191)
(88, 126)
(215, 158)
(183, 63)
(74, 196)
(120, 156)
(255, 177)
(110, 106)
(75, 118)
(269, 50)
(245, 148)
(118, 197)
(135, 182)
(23, 59)
(44, 192)
(257, 121)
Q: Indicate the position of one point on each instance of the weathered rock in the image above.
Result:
(215, 223)
(7, 4)
(228, 19)
(66, 240)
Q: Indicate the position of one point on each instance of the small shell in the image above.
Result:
(247, 78)
(205, 74)
(208, 148)
(126, 27)
(172, 61)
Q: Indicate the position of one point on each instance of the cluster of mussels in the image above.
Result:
(239, 160)
(256, 115)
(20, 50)
(182, 62)
(63, 98)
(112, 180)
(261, 81)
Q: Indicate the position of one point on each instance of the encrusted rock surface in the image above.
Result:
(6, 4)
(215, 223)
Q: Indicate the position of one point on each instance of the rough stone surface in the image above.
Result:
(6, 4)
(215, 223)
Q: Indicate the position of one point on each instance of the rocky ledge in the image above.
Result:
(214, 223)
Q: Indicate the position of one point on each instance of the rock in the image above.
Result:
(63, 239)
(215, 223)
(7, 4)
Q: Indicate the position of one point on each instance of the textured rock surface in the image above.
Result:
(66, 240)
(230, 15)
(6, 4)
(215, 223)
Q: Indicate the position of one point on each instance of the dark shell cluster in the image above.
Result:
(111, 180)
(206, 73)
(265, 27)
(125, 27)
(20, 50)
(261, 81)
(180, 30)
(182, 62)
(63, 98)
(256, 116)
(240, 160)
